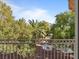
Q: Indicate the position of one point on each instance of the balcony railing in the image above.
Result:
(44, 49)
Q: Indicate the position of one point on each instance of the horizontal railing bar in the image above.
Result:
(31, 39)
(52, 41)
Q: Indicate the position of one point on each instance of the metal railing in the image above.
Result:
(40, 49)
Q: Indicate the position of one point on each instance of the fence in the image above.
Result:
(42, 49)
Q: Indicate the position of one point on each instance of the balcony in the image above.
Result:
(44, 49)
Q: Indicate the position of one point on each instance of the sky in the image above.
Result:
(38, 9)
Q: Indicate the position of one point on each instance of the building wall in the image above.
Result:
(71, 5)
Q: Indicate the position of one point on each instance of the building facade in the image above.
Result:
(71, 5)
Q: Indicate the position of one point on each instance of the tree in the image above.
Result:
(40, 29)
(24, 29)
(65, 26)
(11, 29)
(5, 12)
(6, 20)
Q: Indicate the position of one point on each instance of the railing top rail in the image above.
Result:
(31, 39)
(39, 40)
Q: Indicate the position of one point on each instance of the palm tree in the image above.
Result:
(38, 32)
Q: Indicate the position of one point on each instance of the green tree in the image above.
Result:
(13, 29)
(65, 26)
(5, 12)
(24, 29)
(40, 29)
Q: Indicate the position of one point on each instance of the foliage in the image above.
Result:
(22, 31)
(8, 48)
(11, 29)
(64, 27)
(40, 29)
(25, 49)
(5, 12)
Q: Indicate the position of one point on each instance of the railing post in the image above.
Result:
(76, 31)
